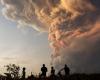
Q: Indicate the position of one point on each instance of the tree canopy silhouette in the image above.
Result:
(13, 70)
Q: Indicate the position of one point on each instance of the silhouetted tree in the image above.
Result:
(13, 70)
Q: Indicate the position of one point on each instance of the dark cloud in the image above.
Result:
(82, 56)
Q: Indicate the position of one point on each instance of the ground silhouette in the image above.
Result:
(52, 76)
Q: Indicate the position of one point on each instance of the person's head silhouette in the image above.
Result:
(24, 68)
(65, 65)
(52, 67)
(43, 65)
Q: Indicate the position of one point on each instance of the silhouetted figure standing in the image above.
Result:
(52, 71)
(53, 76)
(23, 73)
(44, 71)
(67, 70)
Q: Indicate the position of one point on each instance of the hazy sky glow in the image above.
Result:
(23, 46)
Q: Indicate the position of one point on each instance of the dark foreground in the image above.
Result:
(13, 74)
(58, 77)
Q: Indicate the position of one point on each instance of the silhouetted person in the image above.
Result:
(23, 73)
(53, 76)
(52, 71)
(44, 70)
(67, 70)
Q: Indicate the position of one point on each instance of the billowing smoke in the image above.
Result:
(73, 27)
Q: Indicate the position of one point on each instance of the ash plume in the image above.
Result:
(73, 27)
